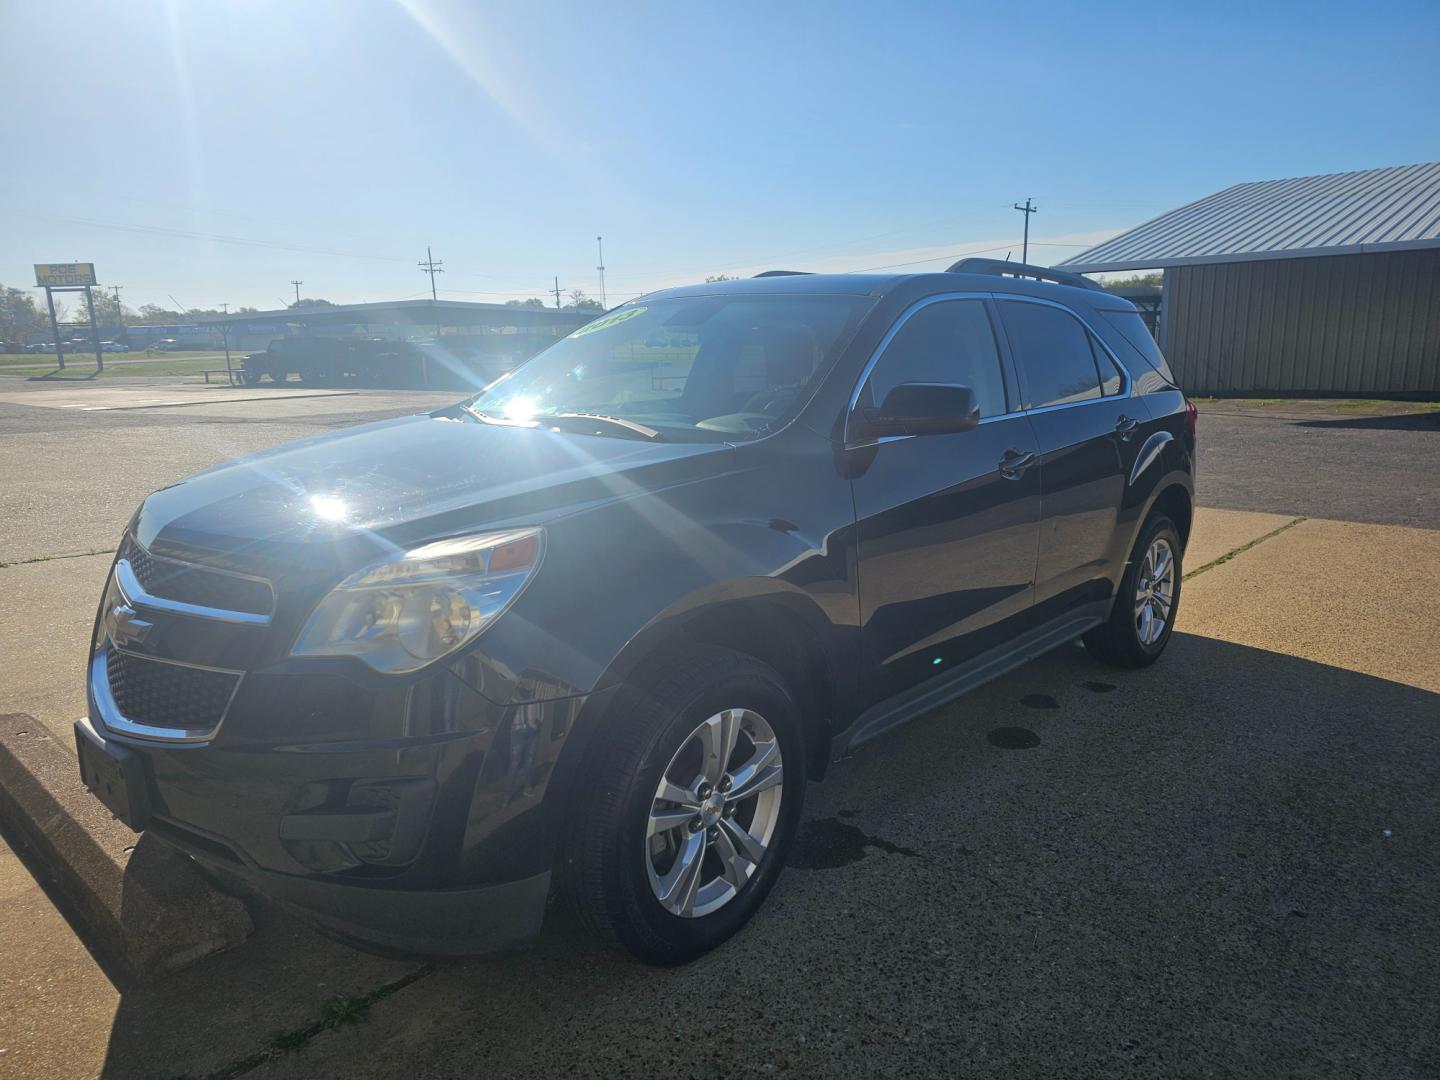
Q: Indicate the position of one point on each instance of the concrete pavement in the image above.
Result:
(1220, 865)
(1223, 865)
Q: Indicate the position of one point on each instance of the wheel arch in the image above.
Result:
(769, 620)
(1175, 501)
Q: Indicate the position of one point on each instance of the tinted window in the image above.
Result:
(1138, 335)
(1110, 378)
(948, 342)
(1052, 350)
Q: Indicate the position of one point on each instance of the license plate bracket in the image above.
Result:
(114, 774)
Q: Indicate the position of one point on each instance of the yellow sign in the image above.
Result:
(63, 274)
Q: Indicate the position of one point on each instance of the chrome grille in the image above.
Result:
(165, 695)
(191, 584)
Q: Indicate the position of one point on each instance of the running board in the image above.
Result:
(895, 712)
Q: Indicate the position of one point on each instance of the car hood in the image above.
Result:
(399, 482)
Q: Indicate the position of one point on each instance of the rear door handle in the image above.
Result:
(1126, 426)
(1014, 463)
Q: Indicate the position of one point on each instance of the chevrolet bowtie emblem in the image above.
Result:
(126, 627)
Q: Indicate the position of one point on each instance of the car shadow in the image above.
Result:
(1420, 421)
(60, 375)
(1228, 858)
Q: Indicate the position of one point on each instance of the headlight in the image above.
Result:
(403, 613)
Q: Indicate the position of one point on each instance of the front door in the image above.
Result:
(947, 524)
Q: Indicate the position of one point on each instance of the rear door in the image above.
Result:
(1078, 401)
(947, 523)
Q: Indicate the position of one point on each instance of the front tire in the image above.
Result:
(1147, 602)
(687, 806)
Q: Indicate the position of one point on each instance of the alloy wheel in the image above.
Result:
(1154, 592)
(714, 813)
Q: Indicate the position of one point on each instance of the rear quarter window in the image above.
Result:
(1133, 329)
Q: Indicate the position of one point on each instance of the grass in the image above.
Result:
(1223, 559)
(1334, 406)
(336, 1013)
(82, 365)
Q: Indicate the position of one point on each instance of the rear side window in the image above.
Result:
(946, 342)
(1052, 350)
(1133, 329)
(1110, 378)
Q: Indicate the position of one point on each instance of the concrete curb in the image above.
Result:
(140, 900)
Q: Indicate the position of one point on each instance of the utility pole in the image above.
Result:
(94, 331)
(225, 337)
(431, 267)
(119, 311)
(600, 246)
(556, 291)
(1027, 210)
(297, 285)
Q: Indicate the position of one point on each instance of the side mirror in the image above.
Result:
(916, 408)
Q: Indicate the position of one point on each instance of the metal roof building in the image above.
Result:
(1312, 285)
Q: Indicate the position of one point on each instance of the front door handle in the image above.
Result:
(1126, 426)
(1014, 463)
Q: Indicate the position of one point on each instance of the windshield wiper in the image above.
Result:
(619, 421)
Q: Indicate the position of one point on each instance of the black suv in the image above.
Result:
(591, 631)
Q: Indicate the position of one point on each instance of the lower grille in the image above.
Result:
(165, 695)
(191, 584)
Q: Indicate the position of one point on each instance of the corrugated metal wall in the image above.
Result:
(1340, 324)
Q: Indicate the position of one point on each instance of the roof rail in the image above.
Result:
(1000, 268)
(781, 273)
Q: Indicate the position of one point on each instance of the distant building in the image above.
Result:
(1325, 285)
(399, 320)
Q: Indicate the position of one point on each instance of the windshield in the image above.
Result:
(714, 368)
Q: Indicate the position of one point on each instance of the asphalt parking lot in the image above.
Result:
(1224, 865)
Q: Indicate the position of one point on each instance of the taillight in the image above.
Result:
(1192, 417)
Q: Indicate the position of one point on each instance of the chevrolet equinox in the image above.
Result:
(589, 633)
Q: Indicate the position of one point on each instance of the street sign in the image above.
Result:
(62, 275)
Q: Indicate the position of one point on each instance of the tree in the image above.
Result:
(719, 277)
(1155, 277)
(534, 301)
(21, 318)
(307, 302)
(108, 310)
(580, 302)
(155, 315)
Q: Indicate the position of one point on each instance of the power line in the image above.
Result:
(431, 267)
(934, 258)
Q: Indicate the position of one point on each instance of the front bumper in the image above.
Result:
(438, 845)
(415, 813)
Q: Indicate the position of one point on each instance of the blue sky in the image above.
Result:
(215, 150)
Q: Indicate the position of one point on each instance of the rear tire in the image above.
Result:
(1147, 602)
(670, 879)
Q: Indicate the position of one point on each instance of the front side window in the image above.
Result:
(1052, 350)
(946, 342)
(709, 368)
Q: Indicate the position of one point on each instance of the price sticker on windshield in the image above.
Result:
(615, 318)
